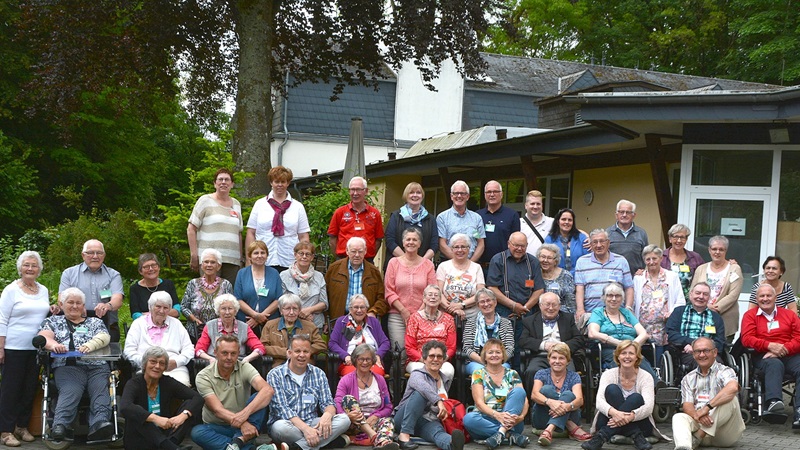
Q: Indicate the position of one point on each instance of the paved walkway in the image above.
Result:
(772, 437)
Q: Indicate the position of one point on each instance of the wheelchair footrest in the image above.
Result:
(774, 419)
(671, 395)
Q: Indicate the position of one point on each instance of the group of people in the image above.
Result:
(534, 283)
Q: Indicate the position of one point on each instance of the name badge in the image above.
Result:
(308, 399)
(358, 227)
(105, 293)
(489, 228)
(234, 213)
(439, 327)
(568, 252)
(81, 330)
(711, 329)
(703, 399)
(502, 392)
(734, 277)
(528, 283)
(553, 287)
(774, 325)
(658, 293)
(262, 291)
(684, 268)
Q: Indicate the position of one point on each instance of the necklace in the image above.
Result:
(154, 289)
(209, 287)
(366, 383)
(428, 316)
(502, 371)
(32, 289)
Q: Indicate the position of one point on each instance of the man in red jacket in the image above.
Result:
(775, 335)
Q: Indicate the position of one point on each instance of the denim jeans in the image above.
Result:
(212, 436)
(410, 419)
(481, 426)
(541, 413)
(615, 398)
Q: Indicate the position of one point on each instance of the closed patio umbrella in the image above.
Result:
(354, 162)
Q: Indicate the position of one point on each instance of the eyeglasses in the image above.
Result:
(150, 267)
(364, 360)
(223, 180)
(95, 253)
(703, 351)
(304, 254)
(599, 241)
(492, 192)
(356, 189)
(210, 262)
(460, 247)
(547, 258)
(435, 356)
(290, 309)
(679, 238)
(30, 266)
(626, 213)
(459, 194)
(356, 251)
(358, 307)
(518, 246)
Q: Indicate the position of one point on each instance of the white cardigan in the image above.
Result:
(644, 386)
(175, 341)
(675, 294)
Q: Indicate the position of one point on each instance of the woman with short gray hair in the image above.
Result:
(459, 279)
(678, 259)
(197, 304)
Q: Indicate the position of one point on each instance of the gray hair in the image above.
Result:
(410, 230)
(500, 186)
(363, 349)
(459, 237)
(159, 297)
(289, 298)
(432, 344)
(613, 288)
(432, 287)
(359, 297)
(86, 245)
(211, 251)
(459, 183)
(220, 299)
(596, 232)
(358, 178)
(154, 352)
(28, 255)
(549, 295)
(679, 228)
(652, 248)
(356, 240)
(550, 248)
(626, 202)
(485, 292)
(67, 293)
(721, 239)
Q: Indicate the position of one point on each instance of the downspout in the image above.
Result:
(285, 128)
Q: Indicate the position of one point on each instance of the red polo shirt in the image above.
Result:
(347, 223)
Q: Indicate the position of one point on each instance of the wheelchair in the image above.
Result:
(752, 391)
(112, 355)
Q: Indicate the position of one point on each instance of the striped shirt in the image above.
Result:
(594, 276)
(504, 332)
(218, 227)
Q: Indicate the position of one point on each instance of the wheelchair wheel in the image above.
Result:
(666, 369)
(662, 413)
(746, 416)
(53, 445)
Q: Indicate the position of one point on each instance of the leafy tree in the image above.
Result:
(242, 47)
(17, 186)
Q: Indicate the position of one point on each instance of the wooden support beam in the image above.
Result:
(528, 172)
(658, 168)
(445, 181)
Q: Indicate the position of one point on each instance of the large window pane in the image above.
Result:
(787, 245)
(732, 168)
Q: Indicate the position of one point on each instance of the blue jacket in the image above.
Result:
(245, 290)
(576, 250)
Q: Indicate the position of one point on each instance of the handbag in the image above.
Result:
(455, 417)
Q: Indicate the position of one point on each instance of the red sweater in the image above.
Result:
(755, 333)
(421, 330)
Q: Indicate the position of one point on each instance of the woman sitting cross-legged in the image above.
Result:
(499, 398)
(148, 406)
(558, 397)
(364, 397)
(625, 401)
(422, 409)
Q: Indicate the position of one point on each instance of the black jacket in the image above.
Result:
(533, 331)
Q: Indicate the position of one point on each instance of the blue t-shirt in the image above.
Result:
(622, 331)
(571, 379)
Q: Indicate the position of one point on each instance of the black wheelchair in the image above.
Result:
(80, 427)
(752, 392)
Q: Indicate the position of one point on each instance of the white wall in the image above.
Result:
(420, 113)
(302, 156)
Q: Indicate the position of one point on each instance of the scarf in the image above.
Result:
(352, 330)
(302, 279)
(412, 218)
(280, 210)
(480, 330)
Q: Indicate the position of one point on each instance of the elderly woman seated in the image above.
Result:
(364, 397)
(158, 328)
(358, 328)
(226, 306)
(276, 333)
(487, 324)
(74, 376)
(430, 324)
(154, 420)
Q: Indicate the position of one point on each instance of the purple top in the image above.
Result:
(348, 385)
(338, 343)
(693, 260)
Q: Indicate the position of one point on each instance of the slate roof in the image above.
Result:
(539, 77)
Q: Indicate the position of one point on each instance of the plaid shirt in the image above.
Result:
(693, 324)
(354, 286)
(290, 400)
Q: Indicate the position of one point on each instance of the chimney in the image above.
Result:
(502, 133)
(392, 156)
(314, 172)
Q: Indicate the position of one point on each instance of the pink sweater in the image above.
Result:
(407, 283)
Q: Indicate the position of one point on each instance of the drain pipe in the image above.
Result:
(285, 128)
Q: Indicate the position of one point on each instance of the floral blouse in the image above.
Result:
(201, 304)
(495, 395)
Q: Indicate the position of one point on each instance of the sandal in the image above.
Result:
(546, 438)
(579, 435)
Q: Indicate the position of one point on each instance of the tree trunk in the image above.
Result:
(252, 132)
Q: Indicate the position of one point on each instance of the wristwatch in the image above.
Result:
(186, 411)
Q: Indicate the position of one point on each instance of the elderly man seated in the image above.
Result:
(710, 416)
(158, 328)
(689, 322)
(278, 332)
(544, 329)
(774, 333)
(74, 376)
